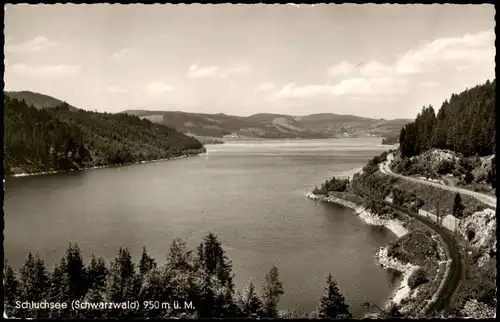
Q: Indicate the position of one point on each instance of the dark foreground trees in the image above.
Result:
(188, 284)
(332, 305)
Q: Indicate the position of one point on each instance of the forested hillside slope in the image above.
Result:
(65, 138)
(465, 124)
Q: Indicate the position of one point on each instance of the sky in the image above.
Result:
(382, 61)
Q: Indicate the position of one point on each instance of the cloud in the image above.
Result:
(115, 90)
(358, 86)
(429, 84)
(375, 68)
(371, 86)
(158, 88)
(343, 68)
(468, 50)
(34, 45)
(44, 71)
(123, 55)
(214, 71)
(265, 87)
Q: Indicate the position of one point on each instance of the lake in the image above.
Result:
(250, 194)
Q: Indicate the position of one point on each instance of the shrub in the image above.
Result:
(333, 184)
(418, 277)
(445, 167)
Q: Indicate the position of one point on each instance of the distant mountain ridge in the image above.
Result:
(273, 126)
(212, 128)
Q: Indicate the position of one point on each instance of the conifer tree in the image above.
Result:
(251, 305)
(123, 283)
(11, 291)
(75, 272)
(272, 291)
(147, 263)
(180, 256)
(458, 207)
(332, 305)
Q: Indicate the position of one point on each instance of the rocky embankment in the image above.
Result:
(394, 225)
(404, 291)
(479, 229)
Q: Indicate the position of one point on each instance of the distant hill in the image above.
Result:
(37, 100)
(212, 128)
(63, 137)
(273, 126)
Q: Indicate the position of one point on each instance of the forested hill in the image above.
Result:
(65, 138)
(36, 99)
(465, 124)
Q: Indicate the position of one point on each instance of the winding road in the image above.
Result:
(489, 200)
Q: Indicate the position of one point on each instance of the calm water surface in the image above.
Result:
(251, 194)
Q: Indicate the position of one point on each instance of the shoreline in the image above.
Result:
(393, 225)
(403, 291)
(18, 175)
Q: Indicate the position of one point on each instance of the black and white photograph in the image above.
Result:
(249, 161)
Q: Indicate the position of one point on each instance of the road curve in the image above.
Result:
(456, 268)
(489, 200)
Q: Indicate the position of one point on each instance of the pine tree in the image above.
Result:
(272, 291)
(458, 207)
(28, 287)
(122, 283)
(59, 289)
(147, 263)
(11, 291)
(155, 287)
(180, 256)
(206, 307)
(200, 257)
(96, 273)
(94, 295)
(251, 305)
(34, 284)
(75, 271)
(332, 305)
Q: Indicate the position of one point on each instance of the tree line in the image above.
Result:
(203, 278)
(64, 138)
(465, 123)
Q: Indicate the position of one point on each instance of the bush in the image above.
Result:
(333, 184)
(418, 277)
(445, 167)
